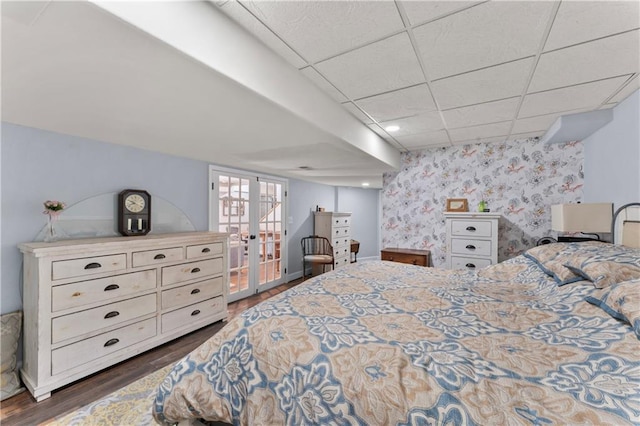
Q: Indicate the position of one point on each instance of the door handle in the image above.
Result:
(252, 237)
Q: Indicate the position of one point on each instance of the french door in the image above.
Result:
(251, 209)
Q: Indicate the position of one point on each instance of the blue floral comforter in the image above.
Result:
(381, 343)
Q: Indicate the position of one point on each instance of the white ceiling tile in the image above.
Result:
(399, 103)
(490, 112)
(489, 84)
(423, 11)
(251, 24)
(631, 87)
(322, 83)
(580, 21)
(383, 66)
(424, 139)
(585, 62)
(588, 96)
(422, 123)
(480, 132)
(484, 35)
(497, 139)
(320, 29)
(357, 113)
(539, 123)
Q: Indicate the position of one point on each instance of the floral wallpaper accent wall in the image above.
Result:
(519, 180)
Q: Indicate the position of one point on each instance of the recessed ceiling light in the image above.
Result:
(393, 128)
(365, 183)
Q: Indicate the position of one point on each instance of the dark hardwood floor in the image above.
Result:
(22, 409)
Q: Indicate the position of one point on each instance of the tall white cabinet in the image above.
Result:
(91, 303)
(472, 240)
(336, 227)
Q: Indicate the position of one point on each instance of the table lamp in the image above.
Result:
(586, 218)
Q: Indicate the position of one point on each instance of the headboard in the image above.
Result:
(625, 226)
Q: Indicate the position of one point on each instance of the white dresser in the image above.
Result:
(336, 227)
(472, 240)
(91, 303)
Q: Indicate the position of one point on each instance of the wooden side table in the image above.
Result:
(410, 256)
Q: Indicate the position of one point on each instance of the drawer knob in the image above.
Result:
(470, 247)
(195, 291)
(206, 250)
(159, 256)
(471, 228)
(112, 314)
(195, 270)
(391, 258)
(111, 342)
(470, 265)
(196, 312)
(93, 265)
(414, 261)
(111, 287)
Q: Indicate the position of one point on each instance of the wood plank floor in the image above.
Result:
(22, 409)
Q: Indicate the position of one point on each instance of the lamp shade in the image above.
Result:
(582, 217)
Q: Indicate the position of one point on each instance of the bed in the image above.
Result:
(547, 337)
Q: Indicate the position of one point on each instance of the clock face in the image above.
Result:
(134, 203)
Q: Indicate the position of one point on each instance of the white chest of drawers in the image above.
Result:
(472, 240)
(336, 227)
(91, 303)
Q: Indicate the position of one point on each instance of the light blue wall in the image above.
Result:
(364, 205)
(38, 165)
(612, 157)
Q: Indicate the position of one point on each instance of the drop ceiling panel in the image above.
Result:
(357, 113)
(320, 29)
(631, 87)
(490, 112)
(323, 84)
(423, 11)
(498, 139)
(588, 96)
(489, 84)
(399, 103)
(421, 123)
(429, 139)
(607, 57)
(577, 22)
(251, 24)
(361, 72)
(478, 132)
(509, 31)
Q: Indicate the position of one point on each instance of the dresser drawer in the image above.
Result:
(341, 261)
(471, 247)
(340, 232)
(471, 228)
(189, 271)
(204, 250)
(341, 242)
(411, 257)
(192, 293)
(88, 266)
(341, 221)
(100, 290)
(458, 262)
(192, 313)
(87, 350)
(341, 251)
(79, 323)
(155, 257)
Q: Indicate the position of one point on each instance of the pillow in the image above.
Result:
(551, 258)
(10, 325)
(621, 301)
(609, 265)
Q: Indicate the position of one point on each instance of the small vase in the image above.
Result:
(51, 233)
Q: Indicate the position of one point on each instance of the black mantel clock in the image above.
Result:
(134, 212)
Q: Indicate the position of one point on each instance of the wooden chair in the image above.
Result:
(316, 250)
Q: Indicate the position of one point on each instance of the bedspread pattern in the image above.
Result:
(381, 343)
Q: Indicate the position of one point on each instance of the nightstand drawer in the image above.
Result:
(471, 228)
(72, 325)
(471, 247)
(192, 293)
(155, 257)
(102, 289)
(88, 266)
(88, 350)
(190, 271)
(469, 263)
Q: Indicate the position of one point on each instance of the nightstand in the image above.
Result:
(472, 240)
